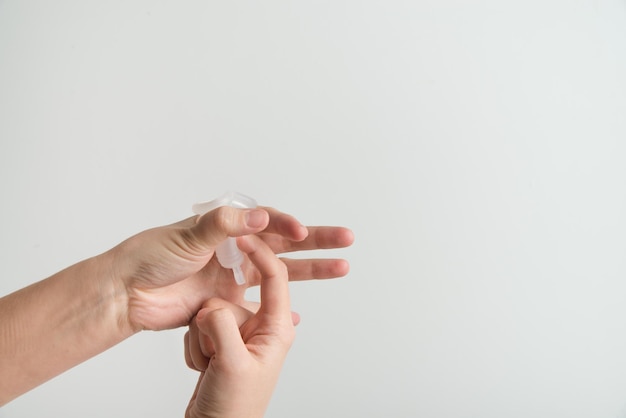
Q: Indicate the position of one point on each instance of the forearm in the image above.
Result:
(55, 324)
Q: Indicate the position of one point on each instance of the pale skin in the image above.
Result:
(240, 353)
(158, 279)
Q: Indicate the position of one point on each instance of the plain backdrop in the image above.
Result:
(476, 148)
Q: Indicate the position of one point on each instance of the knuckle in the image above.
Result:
(218, 316)
(282, 269)
(224, 219)
(213, 304)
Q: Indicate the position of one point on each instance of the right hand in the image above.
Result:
(242, 363)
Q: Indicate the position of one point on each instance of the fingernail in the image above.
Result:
(255, 218)
(201, 314)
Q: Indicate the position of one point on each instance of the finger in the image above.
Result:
(319, 238)
(188, 359)
(221, 327)
(275, 281)
(307, 269)
(193, 351)
(285, 225)
(247, 309)
(214, 227)
(316, 269)
(195, 393)
(251, 306)
(295, 318)
(254, 307)
(240, 313)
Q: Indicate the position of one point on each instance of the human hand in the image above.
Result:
(240, 354)
(155, 280)
(165, 274)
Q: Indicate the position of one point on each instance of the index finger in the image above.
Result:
(284, 225)
(274, 276)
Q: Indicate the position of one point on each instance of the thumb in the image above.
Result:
(221, 327)
(214, 227)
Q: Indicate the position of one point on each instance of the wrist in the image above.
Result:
(99, 300)
(114, 290)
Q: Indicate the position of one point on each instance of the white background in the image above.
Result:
(477, 149)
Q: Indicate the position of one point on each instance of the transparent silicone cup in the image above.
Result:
(233, 199)
(228, 254)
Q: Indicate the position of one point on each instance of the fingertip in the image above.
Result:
(293, 229)
(295, 318)
(300, 233)
(210, 320)
(245, 244)
(286, 225)
(347, 237)
(343, 267)
(201, 314)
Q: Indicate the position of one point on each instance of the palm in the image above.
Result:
(173, 305)
(170, 279)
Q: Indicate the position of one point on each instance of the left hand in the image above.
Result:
(165, 274)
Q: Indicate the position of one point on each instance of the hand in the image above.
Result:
(155, 280)
(165, 274)
(240, 366)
